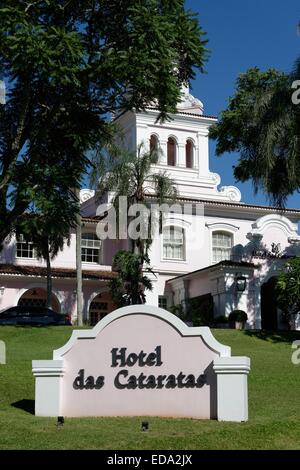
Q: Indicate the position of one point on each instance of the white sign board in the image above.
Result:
(143, 361)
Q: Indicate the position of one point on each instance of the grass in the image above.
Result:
(274, 402)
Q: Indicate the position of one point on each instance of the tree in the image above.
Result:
(79, 263)
(68, 64)
(288, 290)
(130, 285)
(47, 247)
(262, 123)
(47, 226)
(131, 174)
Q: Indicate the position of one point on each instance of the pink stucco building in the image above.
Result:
(218, 247)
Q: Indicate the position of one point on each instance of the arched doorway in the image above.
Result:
(37, 297)
(269, 313)
(100, 306)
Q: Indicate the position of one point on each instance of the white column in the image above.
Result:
(218, 291)
(140, 134)
(152, 295)
(163, 158)
(257, 304)
(48, 375)
(232, 387)
(196, 156)
(185, 301)
(203, 153)
(181, 155)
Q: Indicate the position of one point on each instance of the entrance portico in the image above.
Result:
(222, 281)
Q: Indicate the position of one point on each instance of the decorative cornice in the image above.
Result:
(222, 226)
(231, 192)
(232, 365)
(86, 194)
(238, 205)
(48, 368)
(221, 266)
(274, 220)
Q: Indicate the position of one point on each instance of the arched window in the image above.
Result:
(171, 151)
(90, 248)
(222, 243)
(153, 143)
(173, 243)
(189, 154)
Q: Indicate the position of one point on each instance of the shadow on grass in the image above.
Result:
(26, 405)
(274, 336)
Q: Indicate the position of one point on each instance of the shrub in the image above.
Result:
(199, 310)
(178, 311)
(238, 316)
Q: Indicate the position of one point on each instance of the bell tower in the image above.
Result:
(184, 144)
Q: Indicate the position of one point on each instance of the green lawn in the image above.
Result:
(274, 402)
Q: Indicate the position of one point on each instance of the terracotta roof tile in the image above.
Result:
(39, 271)
(94, 219)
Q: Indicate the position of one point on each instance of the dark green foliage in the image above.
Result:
(67, 65)
(220, 319)
(287, 290)
(237, 316)
(263, 124)
(199, 311)
(178, 311)
(48, 226)
(130, 285)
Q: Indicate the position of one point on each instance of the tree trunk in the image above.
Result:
(79, 264)
(49, 281)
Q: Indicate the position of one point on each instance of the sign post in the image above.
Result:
(143, 361)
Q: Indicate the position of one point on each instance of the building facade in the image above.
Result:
(211, 244)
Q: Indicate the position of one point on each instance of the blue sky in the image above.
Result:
(243, 34)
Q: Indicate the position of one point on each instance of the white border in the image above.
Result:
(179, 325)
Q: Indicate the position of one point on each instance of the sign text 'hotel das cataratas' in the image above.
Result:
(143, 361)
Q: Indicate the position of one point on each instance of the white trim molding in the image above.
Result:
(230, 229)
(222, 226)
(231, 192)
(275, 221)
(174, 321)
(86, 194)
